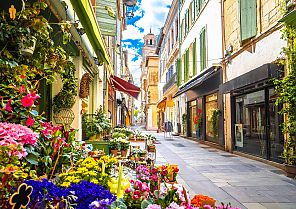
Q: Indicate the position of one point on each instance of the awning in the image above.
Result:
(196, 81)
(170, 103)
(124, 86)
(264, 72)
(162, 103)
(86, 16)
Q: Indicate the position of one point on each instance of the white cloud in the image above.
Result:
(132, 32)
(155, 12)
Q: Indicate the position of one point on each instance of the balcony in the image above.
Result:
(170, 83)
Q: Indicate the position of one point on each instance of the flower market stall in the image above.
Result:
(43, 165)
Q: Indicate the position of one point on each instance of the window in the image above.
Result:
(248, 27)
(190, 63)
(172, 38)
(151, 42)
(186, 23)
(203, 49)
(182, 30)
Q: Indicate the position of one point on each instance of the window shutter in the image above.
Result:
(202, 3)
(197, 8)
(203, 50)
(194, 58)
(193, 10)
(184, 66)
(179, 72)
(187, 65)
(248, 25)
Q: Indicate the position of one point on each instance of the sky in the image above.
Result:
(147, 14)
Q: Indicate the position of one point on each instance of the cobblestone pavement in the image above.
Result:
(230, 178)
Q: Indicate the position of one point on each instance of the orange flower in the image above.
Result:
(201, 200)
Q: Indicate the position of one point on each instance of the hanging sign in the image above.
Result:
(21, 198)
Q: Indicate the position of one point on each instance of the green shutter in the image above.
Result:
(197, 8)
(179, 72)
(201, 4)
(194, 58)
(187, 65)
(184, 66)
(193, 10)
(248, 25)
(203, 49)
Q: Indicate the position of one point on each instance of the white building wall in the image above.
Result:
(265, 51)
(210, 17)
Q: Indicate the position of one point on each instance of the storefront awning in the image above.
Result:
(87, 18)
(162, 103)
(124, 86)
(264, 72)
(196, 81)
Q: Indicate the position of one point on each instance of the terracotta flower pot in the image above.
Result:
(114, 152)
(123, 153)
(290, 170)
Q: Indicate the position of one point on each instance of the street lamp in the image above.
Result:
(132, 4)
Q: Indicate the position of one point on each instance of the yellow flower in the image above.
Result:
(65, 184)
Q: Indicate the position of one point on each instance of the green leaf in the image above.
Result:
(32, 159)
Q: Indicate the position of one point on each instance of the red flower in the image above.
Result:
(30, 121)
(8, 108)
(199, 111)
(22, 89)
(136, 195)
(27, 101)
(22, 76)
(34, 95)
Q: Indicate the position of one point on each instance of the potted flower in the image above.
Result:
(124, 145)
(113, 146)
(198, 123)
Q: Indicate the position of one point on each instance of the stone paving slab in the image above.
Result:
(241, 181)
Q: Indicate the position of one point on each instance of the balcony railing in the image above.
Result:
(170, 83)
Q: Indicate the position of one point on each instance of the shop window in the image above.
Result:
(250, 123)
(192, 112)
(211, 106)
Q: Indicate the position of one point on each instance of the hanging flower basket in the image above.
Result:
(64, 116)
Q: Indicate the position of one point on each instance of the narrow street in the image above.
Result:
(243, 182)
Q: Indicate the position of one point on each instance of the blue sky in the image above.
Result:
(147, 14)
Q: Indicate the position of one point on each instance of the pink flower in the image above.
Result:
(144, 187)
(128, 190)
(136, 195)
(22, 89)
(207, 207)
(27, 101)
(30, 121)
(34, 95)
(153, 206)
(8, 108)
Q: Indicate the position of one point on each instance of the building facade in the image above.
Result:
(149, 82)
(168, 50)
(252, 46)
(199, 71)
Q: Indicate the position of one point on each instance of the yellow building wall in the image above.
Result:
(268, 14)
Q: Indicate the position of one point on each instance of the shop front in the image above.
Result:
(255, 118)
(203, 100)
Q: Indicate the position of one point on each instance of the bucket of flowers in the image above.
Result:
(168, 173)
(198, 122)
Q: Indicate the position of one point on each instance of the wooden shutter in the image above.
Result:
(201, 3)
(248, 24)
(194, 58)
(203, 49)
(179, 72)
(187, 65)
(197, 8)
(184, 66)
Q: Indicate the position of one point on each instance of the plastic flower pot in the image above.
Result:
(28, 51)
(123, 153)
(114, 152)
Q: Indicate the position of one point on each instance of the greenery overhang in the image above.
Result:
(86, 16)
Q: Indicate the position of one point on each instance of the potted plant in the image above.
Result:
(184, 122)
(215, 121)
(113, 146)
(124, 146)
(198, 123)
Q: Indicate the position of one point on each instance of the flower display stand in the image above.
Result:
(99, 145)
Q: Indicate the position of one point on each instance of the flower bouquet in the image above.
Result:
(168, 173)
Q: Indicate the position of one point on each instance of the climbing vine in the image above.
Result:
(286, 90)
